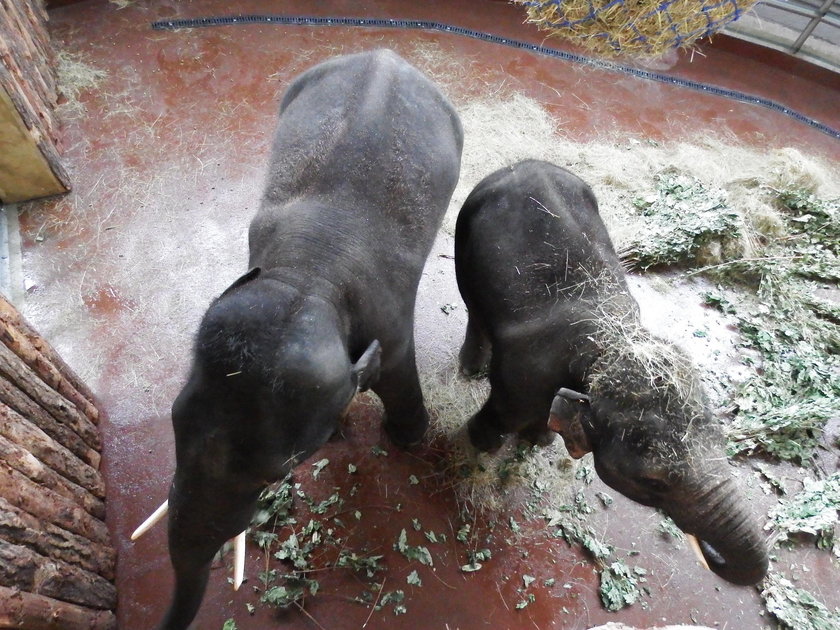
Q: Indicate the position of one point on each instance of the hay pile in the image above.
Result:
(517, 475)
(643, 28)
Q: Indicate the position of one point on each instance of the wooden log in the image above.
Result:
(21, 528)
(11, 315)
(21, 431)
(25, 168)
(26, 55)
(22, 568)
(35, 612)
(17, 372)
(28, 46)
(35, 111)
(49, 506)
(19, 402)
(26, 463)
(29, 91)
(17, 342)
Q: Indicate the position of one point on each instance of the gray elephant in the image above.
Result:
(365, 158)
(552, 318)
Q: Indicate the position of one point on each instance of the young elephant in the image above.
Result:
(551, 314)
(365, 158)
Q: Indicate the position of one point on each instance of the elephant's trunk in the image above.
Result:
(190, 585)
(730, 538)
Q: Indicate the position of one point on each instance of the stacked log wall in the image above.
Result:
(28, 79)
(56, 561)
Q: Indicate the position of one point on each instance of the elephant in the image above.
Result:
(364, 161)
(553, 323)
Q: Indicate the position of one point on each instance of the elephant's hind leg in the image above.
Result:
(475, 353)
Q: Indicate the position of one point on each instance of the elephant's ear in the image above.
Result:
(365, 371)
(243, 279)
(569, 411)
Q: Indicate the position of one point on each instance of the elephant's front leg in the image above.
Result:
(406, 418)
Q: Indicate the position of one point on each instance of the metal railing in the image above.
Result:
(809, 29)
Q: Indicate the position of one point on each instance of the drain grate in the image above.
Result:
(425, 25)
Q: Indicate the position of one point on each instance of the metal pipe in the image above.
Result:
(812, 25)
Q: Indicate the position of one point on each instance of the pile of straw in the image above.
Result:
(643, 28)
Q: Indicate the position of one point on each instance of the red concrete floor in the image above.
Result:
(167, 160)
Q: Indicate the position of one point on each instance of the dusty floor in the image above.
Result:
(167, 155)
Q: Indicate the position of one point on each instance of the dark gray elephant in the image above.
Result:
(550, 314)
(364, 161)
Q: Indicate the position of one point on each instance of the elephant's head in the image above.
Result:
(653, 439)
(261, 397)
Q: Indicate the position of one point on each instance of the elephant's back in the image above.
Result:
(366, 130)
(530, 237)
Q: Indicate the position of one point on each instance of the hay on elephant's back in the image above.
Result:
(645, 28)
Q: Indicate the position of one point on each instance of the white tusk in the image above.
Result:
(238, 561)
(695, 546)
(149, 522)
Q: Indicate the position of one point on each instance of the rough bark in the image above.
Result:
(18, 343)
(17, 372)
(26, 463)
(49, 506)
(10, 314)
(34, 612)
(19, 430)
(27, 75)
(22, 568)
(21, 528)
(19, 402)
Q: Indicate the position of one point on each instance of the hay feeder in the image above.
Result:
(642, 28)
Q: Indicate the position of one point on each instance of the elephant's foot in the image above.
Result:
(537, 436)
(483, 437)
(474, 360)
(407, 432)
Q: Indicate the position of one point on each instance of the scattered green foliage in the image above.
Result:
(318, 466)
(586, 474)
(419, 553)
(229, 624)
(414, 579)
(783, 408)
(279, 533)
(791, 337)
(369, 565)
(795, 608)
(681, 219)
(294, 589)
(463, 533)
(620, 585)
(605, 499)
(669, 529)
(393, 597)
(813, 511)
(529, 598)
